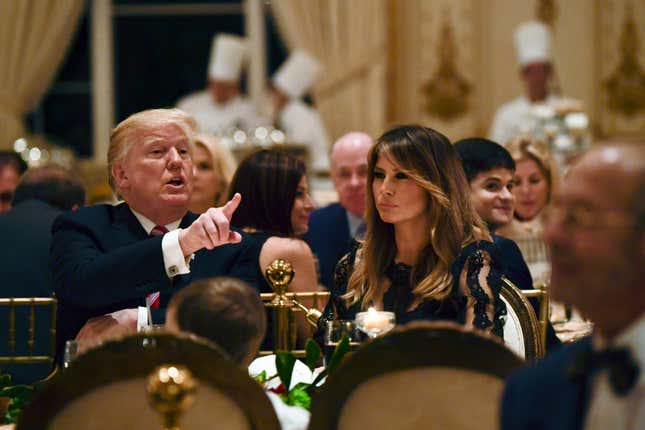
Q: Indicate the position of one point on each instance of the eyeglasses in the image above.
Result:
(585, 218)
(6, 197)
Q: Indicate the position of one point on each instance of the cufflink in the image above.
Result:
(173, 270)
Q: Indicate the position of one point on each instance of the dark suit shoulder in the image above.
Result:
(508, 248)
(544, 394)
(31, 206)
(506, 244)
(514, 265)
(555, 364)
(97, 215)
(329, 213)
(32, 213)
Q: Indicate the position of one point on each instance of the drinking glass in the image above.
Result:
(75, 348)
(375, 323)
(154, 328)
(334, 332)
(70, 353)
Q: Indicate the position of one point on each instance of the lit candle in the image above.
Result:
(375, 320)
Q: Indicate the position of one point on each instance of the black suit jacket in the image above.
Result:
(545, 395)
(103, 260)
(329, 239)
(24, 263)
(514, 265)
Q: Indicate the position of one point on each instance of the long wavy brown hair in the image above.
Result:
(428, 158)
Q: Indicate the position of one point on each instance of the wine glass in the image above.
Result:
(75, 348)
(70, 353)
(375, 323)
(334, 332)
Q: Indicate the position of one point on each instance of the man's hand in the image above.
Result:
(109, 326)
(211, 229)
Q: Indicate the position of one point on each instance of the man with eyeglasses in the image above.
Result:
(11, 168)
(597, 239)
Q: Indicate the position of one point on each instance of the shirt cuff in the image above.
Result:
(173, 256)
(142, 318)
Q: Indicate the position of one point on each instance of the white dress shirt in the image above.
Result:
(607, 410)
(173, 257)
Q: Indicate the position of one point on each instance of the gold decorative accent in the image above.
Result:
(311, 315)
(626, 86)
(447, 91)
(171, 390)
(280, 274)
(547, 12)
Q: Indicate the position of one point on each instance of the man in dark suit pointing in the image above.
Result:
(597, 238)
(111, 261)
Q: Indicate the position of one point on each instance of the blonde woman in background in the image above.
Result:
(214, 168)
(536, 180)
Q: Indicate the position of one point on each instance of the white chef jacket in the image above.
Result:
(216, 118)
(514, 118)
(302, 124)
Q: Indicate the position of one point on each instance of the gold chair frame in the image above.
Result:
(32, 302)
(289, 329)
(136, 357)
(534, 336)
(540, 291)
(417, 345)
(535, 350)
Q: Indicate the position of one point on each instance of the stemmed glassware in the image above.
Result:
(375, 323)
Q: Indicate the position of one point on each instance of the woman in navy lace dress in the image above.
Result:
(426, 254)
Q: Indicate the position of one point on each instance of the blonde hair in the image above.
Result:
(223, 163)
(522, 148)
(129, 132)
(428, 158)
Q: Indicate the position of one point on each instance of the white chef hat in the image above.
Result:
(297, 74)
(532, 43)
(227, 56)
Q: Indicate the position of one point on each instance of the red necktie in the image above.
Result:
(152, 299)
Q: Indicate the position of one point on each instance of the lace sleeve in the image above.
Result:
(335, 307)
(480, 282)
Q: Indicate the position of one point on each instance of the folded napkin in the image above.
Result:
(290, 417)
(301, 372)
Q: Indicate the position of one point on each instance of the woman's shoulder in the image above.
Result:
(288, 248)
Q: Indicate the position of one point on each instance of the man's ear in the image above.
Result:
(120, 175)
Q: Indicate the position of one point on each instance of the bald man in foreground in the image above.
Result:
(332, 228)
(597, 239)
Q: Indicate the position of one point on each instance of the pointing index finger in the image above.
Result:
(232, 205)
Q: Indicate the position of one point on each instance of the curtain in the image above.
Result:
(349, 38)
(34, 36)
